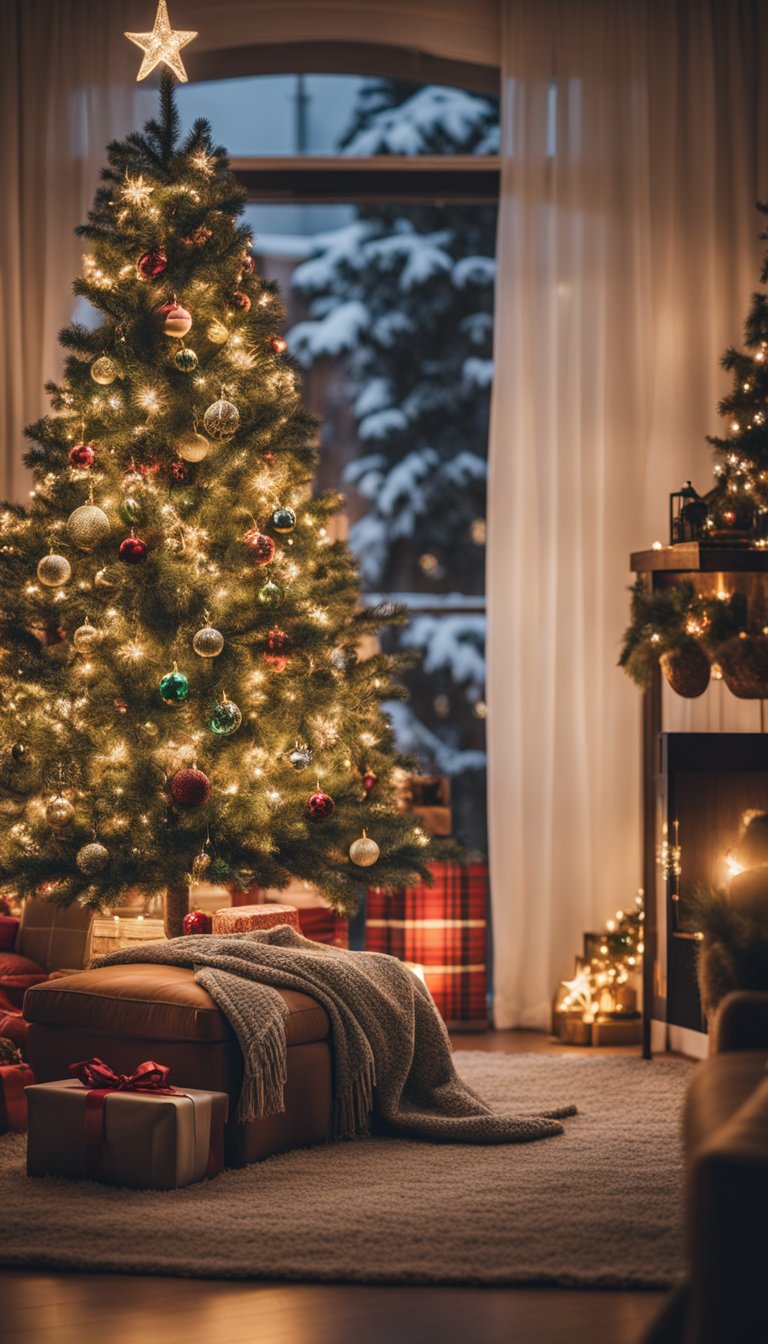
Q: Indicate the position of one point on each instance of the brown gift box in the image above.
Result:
(150, 1141)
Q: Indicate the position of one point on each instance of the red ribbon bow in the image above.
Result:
(101, 1080)
(149, 1076)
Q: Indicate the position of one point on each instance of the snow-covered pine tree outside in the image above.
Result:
(403, 296)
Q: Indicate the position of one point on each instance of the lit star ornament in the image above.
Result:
(162, 44)
(580, 991)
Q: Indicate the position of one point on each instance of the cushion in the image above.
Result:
(54, 937)
(155, 1003)
(719, 1088)
(9, 927)
(17, 975)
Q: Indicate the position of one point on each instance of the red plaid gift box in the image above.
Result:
(442, 930)
(323, 925)
(13, 1100)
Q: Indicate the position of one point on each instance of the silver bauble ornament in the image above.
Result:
(208, 642)
(104, 370)
(364, 851)
(193, 447)
(87, 527)
(59, 813)
(54, 571)
(86, 637)
(300, 757)
(92, 859)
(200, 865)
(221, 419)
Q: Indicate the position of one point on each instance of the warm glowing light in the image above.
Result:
(657, 546)
(137, 192)
(162, 46)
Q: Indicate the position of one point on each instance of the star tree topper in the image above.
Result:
(162, 44)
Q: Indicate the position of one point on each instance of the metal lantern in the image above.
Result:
(688, 514)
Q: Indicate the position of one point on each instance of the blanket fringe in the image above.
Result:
(354, 1104)
(263, 1091)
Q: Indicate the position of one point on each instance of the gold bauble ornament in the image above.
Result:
(208, 643)
(193, 447)
(218, 333)
(221, 419)
(104, 370)
(364, 851)
(151, 729)
(54, 571)
(92, 859)
(86, 637)
(59, 812)
(87, 527)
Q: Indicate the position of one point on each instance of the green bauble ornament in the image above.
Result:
(92, 859)
(225, 717)
(283, 520)
(174, 687)
(87, 527)
(271, 595)
(186, 361)
(86, 637)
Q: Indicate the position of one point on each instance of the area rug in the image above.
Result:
(597, 1206)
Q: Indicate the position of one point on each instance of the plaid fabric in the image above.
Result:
(442, 929)
(324, 926)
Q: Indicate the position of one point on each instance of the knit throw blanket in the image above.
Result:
(392, 1059)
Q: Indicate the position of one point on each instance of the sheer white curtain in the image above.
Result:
(635, 142)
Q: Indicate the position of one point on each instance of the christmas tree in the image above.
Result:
(404, 297)
(180, 675)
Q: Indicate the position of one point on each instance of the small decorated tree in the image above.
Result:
(180, 676)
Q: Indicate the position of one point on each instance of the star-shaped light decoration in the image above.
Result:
(580, 993)
(136, 190)
(162, 44)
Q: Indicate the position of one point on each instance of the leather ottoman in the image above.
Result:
(126, 1014)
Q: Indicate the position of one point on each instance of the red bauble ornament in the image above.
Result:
(279, 345)
(133, 550)
(276, 661)
(176, 320)
(241, 301)
(269, 457)
(247, 264)
(179, 471)
(82, 455)
(197, 921)
(199, 236)
(262, 548)
(320, 806)
(278, 641)
(190, 788)
(370, 780)
(152, 265)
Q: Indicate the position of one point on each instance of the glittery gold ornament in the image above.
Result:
(208, 642)
(221, 419)
(104, 370)
(59, 812)
(364, 851)
(85, 637)
(87, 527)
(92, 859)
(54, 571)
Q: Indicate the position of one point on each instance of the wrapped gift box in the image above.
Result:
(14, 1078)
(316, 918)
(147, 1140)
(442, 929)
(246, 918)
(109, 933)
(14, 1028)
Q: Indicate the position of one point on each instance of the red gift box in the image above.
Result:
(13, 1100)
(14, 1027)
(323, 925)
(443, 929)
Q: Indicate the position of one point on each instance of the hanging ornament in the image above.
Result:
(131, 509)
(269, 458)
(59, 812)
(104, 370)
(208, 643)
(262, 548)
(218, 332)
(152, 265)
(271, 595)
(174, 687)
(279, 345)
(197, 921)
(133, 550)
(300, 757)
(202, 861)
(247, 264)
(54, 571)
(241, 300)
(20, 753)
(92, 859)
(151, 729)
(364, 851)
(279, 645)
(370, 780)
(87, 527)
(186, 360)
(190, 788)
(179, 472)
(86, 637)
(82, 455)
(199, 236)
(176, 320)
(283, 520)
(193, 447)
(225, 717)
(221, 419)
(320, 806)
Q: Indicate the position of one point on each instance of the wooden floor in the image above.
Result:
(37, 1308)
